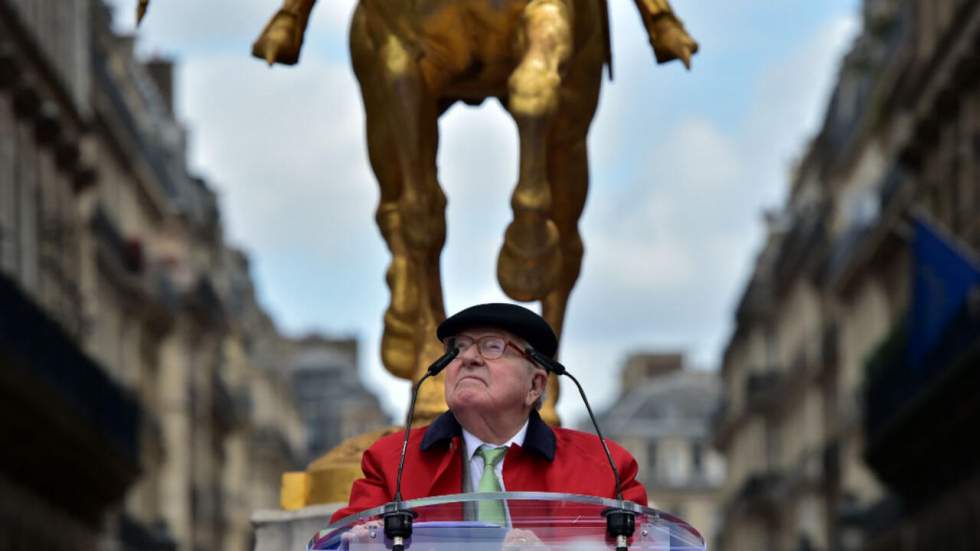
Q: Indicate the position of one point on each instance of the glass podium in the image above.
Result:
(536, 521)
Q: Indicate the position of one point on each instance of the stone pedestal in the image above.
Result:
(277, 530)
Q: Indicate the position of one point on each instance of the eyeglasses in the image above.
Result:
(491, 347)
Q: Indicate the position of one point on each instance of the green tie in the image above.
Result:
(491, 511)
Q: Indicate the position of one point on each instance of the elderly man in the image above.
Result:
(492, 438)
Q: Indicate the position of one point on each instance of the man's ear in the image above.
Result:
(539, 381)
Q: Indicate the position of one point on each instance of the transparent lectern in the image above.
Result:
(535, 521)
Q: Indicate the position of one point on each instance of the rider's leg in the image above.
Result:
(667, 35)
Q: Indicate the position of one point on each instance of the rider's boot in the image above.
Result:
(668, 37)
(282, 37)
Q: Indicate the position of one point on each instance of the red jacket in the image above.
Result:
(551, 460)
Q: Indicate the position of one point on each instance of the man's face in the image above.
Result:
(508, 383)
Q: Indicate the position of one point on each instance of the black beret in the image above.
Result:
(510, 317)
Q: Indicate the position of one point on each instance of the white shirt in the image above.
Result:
(476, 462)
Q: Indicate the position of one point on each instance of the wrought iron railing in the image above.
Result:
(31, 341)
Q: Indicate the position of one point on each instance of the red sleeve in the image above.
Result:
(370, 491)
(632, 489)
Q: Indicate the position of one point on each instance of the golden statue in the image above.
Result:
(413, 61)
(543, 60)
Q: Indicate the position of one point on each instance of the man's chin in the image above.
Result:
(466, 401)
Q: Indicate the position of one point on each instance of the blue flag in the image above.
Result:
(942, 280)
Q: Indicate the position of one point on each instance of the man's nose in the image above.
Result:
(471, 354)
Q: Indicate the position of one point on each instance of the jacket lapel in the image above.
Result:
(441, 446)
(526, 467)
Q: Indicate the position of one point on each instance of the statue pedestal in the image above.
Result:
(277, 530)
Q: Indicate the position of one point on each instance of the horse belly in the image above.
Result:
(474, 41)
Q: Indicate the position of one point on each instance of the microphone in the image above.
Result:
(620, 523)
(398, 521)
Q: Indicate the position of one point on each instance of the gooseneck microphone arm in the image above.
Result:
(398, 521)
(620, 523)
(553, 366)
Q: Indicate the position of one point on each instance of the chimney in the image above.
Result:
(641, 368)
(162, 72)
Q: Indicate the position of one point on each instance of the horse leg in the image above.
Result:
(413, 112)
(398, 342)
(529, 264)
(568, 169)
(401, 126)
(568, 176)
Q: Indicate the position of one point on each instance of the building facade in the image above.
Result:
(818, 336)
(334, 403)
(662, 416)
(143, 386)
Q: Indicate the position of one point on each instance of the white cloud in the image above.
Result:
(668, 251)
(288, 160)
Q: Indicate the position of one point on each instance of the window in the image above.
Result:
(652, 460)
(697, 459)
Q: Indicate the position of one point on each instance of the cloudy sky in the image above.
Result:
(682, 166)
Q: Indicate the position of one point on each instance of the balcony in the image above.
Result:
(756, 303)
(718, 415)
(918, 417)
(126, 124)
(68, 424)
(866, 82)
(758, 495)
(844, 251)
(721, 425)
(204, 302)
(243, 404)
(231, 407)
(164, 295)
(222, 403)
(271, 442)
(126, 252)
(763, 390)
(856, 522)
(830, 346)
(136, 536)
(891, 186)
(801, 247)
(866, 241)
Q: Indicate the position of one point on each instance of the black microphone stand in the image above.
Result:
(620, 522)
(398, 520)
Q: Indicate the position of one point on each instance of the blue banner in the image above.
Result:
(943, 277)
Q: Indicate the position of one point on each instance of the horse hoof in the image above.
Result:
(398, 348)
(528, 273)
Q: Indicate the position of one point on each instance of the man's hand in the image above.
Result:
(519, 539)
(368, 532)
(670, 40)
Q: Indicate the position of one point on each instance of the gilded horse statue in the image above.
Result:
(543, 60)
